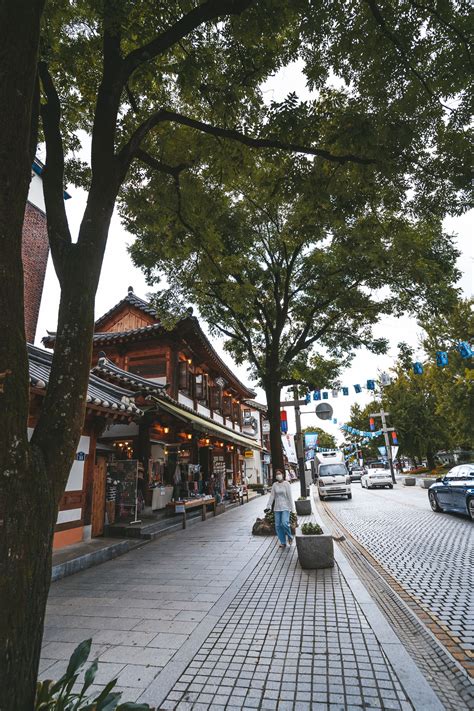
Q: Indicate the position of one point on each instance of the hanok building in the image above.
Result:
(191, 438)
(82, 507)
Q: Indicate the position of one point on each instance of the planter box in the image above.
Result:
(426, 483)
(409, 481)
(315, 552)
(303, 508)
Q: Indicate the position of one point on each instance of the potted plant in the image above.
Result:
(303, 506)
(315, 548)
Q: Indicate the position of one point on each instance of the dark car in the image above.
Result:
(356, 473)
(455, 491)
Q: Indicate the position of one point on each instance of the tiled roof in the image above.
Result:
(108, 369)
(100, 393)
(132, 300)
(256, 405)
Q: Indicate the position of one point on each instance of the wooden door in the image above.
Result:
(98, 497)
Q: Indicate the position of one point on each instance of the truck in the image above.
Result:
(332, 476)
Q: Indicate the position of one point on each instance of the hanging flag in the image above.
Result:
(371, 385)
(465, 349)
(317, 395)
(418, 368)
(325, 396)
(334, 419)
(372, 424)
(394, 438)
(441, 358)
(357, 388)
(283, 421)
(345, 391)
(385, 379)
(335, 392)
(307, 398)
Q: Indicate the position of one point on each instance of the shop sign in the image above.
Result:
(267, 458)
(248, 454)
(265, 427)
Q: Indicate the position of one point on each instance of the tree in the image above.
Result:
(285, 263)
(325, 440)
(359, 419)
(145, 81)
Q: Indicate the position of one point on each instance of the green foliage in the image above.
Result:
(302, 498)
(270, 517)
(325, 440)
(59, 696)
(311, 529)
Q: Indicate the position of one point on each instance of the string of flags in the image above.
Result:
(324, 394)
(361, 433)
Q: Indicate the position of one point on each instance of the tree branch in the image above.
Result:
(151, 162)
(53, 173)
(210, 10)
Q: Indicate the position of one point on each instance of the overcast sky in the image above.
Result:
(118, 273)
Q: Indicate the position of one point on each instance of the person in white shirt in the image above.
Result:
(282, 501)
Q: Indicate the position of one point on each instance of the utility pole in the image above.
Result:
(298, 437)
(382, 414)
(299, 444)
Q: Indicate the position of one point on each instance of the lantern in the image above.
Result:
(317, 395)
(307, 398)
(325, 396)
(345, 391)
(418, 368)
(394, 438)
(441, 359)
(465, 349)
(357, 388)
(371, 385)
(372, 424)
(283, 422)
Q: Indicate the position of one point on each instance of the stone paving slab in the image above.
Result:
(272, 636)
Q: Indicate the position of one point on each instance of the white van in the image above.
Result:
(332, 476)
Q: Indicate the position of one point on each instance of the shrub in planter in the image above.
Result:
(58, 695)
(315, 548)
(266, 526)
(303, 506)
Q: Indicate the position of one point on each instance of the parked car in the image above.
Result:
(356, 473)
(376, 478)
(455, 491)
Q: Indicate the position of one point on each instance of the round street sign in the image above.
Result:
(324, 411)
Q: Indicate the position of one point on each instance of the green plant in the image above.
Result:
(58, 695)
(270, 517)
(302, 498)
(311, 529)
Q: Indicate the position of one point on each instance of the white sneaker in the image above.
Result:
(282, 545)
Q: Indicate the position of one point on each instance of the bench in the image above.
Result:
(183, 506)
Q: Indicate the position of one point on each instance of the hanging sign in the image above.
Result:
(310, 440)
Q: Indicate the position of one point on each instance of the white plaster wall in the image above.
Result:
(185, 400)
(35, 193)
(203, 410)
(68, 516)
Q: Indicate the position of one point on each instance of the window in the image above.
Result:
(216, 398)
(227, 405)
(201, 385)
(183, 376)
(148, 366)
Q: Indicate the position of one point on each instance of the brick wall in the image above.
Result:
(35, 249)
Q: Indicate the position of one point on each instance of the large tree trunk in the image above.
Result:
(27, 512)
(272, 391)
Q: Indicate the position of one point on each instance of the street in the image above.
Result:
(215, 618)
(430, 554)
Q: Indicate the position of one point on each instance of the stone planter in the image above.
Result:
(303, 508)
(409, 481)
(426, 483)
(315, 552)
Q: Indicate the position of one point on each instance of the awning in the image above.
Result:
(207, 425)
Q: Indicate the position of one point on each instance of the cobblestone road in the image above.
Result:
(213, 618)
(430, 554)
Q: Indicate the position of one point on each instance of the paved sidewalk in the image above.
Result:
(213, 618)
